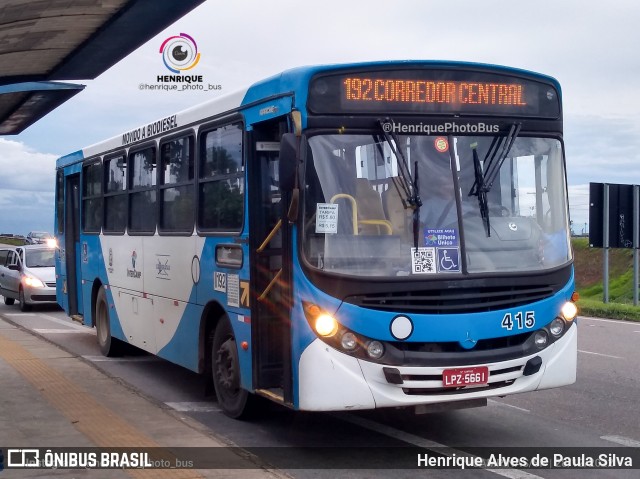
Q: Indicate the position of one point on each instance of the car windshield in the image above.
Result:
(42, 258)
(409, 205)
(40, 235)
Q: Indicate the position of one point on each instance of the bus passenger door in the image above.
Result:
(270, 267)
(72, 247)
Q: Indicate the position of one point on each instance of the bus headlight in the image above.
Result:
(375, 349)
(541, 339)
(326, 325)
(349, 341)
(569, 311)
(556, 327)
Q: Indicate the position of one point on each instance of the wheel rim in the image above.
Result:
(227, 373)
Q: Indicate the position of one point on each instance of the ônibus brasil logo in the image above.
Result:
(180, 53)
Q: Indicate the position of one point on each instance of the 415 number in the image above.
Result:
(519, 320)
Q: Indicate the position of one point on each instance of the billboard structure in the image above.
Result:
(614, 222)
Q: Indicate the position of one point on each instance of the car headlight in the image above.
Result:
(33, 282)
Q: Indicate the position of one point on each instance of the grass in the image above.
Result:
(588, 268)
(11, 241)
(591, 307)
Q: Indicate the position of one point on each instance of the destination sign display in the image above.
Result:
(433, 92)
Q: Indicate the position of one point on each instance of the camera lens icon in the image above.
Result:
(180, 53)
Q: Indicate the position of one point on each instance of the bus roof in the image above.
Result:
(293, 83)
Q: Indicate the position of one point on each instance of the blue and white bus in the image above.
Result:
(335, 237)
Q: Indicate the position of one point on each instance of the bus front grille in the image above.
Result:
(451, 301)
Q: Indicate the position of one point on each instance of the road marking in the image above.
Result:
(599, 354)
(101, 359)
(625, 441)
(58, 331)
(626, 323)
(498, 403)
(193, 406)
(428, 444)
(19, 314)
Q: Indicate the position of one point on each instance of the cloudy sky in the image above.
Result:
(590, 47)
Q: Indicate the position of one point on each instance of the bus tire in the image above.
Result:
(9, 301)
(234, 401)
(109, 346)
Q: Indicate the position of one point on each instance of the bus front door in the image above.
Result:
(72, 245)
(270, 268)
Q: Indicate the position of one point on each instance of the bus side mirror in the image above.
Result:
(288, 161)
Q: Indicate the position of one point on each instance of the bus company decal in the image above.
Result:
(110, 269)
(134, 273)
(163, 266)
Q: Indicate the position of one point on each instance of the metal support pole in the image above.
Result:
(605, 252)
(636, 240)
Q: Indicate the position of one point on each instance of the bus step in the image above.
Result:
(275, 394)
(78, 318)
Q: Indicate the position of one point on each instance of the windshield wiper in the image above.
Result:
(493, 167)
(409, 186)
(493, 161)
(480, 191)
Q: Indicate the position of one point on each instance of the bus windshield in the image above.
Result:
(361, 216)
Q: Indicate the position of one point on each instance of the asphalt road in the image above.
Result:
(600, 410)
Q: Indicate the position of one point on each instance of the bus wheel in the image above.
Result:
(233, 400)
(108, 345)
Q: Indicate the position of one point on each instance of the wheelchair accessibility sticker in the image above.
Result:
(448, 260)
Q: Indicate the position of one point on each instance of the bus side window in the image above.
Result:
(176, 190)
(221, 179)
(142, 194)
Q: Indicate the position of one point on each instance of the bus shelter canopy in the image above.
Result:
(42, 41)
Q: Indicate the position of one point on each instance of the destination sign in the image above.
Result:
(433, 91)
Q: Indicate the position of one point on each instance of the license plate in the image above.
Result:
(478, 375)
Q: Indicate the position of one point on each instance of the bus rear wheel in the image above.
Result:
(234, 401)
(109, 346)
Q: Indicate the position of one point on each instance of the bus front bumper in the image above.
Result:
(333, 381)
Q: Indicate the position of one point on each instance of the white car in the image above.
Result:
(27, 273)
(38, 237)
